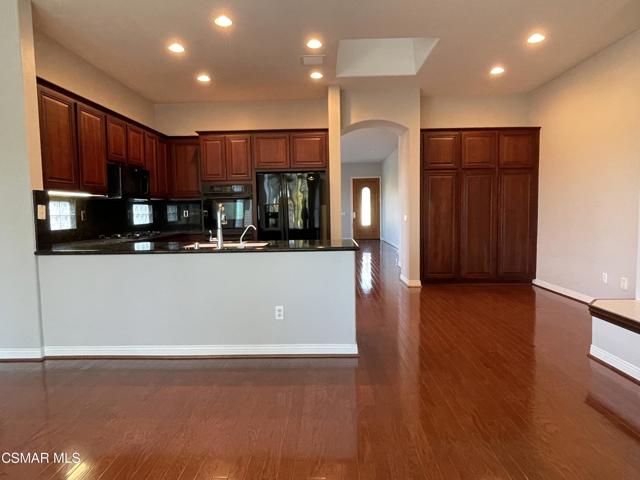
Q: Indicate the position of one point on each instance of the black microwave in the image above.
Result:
(125, 181)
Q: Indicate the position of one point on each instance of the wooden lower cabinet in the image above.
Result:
(92, 149)
(479, 217)
(440, 225)
(184, 168)
(478, 224)
(517, 204)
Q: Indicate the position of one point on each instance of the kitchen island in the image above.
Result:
(159, 298)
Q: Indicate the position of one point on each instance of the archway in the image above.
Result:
(396, 192)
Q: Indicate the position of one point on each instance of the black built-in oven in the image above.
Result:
(238, 208)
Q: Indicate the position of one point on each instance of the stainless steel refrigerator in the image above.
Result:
(292, 206)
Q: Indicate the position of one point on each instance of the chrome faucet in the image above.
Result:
(221, 220)
(245, 231)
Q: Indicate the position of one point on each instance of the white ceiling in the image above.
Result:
(367, 145)
(258, 57)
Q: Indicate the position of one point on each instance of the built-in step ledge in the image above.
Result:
(615, 338)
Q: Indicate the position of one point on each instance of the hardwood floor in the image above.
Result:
(453, 382)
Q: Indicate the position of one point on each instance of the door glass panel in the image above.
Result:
(365, 207)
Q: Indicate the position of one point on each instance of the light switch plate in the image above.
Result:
(42, 212)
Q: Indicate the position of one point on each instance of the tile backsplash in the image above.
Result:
(62, 219)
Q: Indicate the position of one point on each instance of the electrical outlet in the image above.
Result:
(42, 212)
(279, 312)
(624, 283)
(605, 278)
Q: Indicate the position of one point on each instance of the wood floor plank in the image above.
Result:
(452, 382)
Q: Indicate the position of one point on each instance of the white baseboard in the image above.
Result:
(390, 243)
(616, 362)
(563, 291)
(410, 283)
(201, 350)
(20, 354)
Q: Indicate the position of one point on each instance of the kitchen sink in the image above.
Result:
(236, 245)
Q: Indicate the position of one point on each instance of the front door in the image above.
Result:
(366, 208)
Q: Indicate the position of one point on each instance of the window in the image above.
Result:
(62, 215)
(142, 214)
(365, 207)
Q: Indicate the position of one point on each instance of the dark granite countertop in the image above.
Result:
(108, 247)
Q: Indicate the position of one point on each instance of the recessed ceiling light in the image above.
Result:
(497, 70)
(176, 48)
(223, 21)
(536, 38)
(314, 43)
(316, 75)
(204, 78)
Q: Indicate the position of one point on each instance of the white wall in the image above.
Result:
(187, 118)
(391, 200)
(474, 111)
(590, 172)
(350, 171)
(66, 69)
(19, 305)
(191, 303)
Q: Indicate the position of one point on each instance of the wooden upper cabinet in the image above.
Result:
(135, 146)
(238, 157)
(92, 149)
(185, 178)
(58, 140)
(151, 161)
(309, 150)
(441, 149)
(213, 163)
(478, 224)
(440, 224)
(517, 205)
(479, 149)
(271, 151)
(518, 148)
(161, 184)
(116, 140)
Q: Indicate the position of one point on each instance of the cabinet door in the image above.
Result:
(116, 140)
(162, 186)
(479, 149)
(440, 149)
(271, 151)
(151, 161)
(135, 146)
(185, 168)
(439, 223)
(516, 224)
(478, 224)
(213, 158)
(238, 153)
(518, 148)
(309, 150)
(58, 141)
(92, 149)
